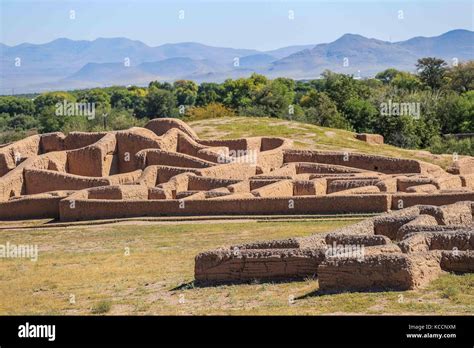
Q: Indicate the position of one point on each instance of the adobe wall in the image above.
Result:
(223, 267)
(129, 143)
(400, 200)
(457, 261)
(425, 188)
(149, 176)
(175, 159)
(467, 181)
(15, 153)
(104, 209)
(283, 188)
(76, 140)
(238, 171)
(190, 147)
(342, 185)
(166, 173)
(271, 143)
(203, 183)
(462, 166)
(13, 184)
(463, 239)
(308, 188)
(40, 180)
(370, 138)
(52, 142)
(381, 164)
(234, 144)
(125, 178)
(119, 192)
(92, 160)
(161, 125)
(320, 168)
(32, 207)
(361, 190)
(378, 272)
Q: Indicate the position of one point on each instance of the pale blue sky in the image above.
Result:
(255, 24)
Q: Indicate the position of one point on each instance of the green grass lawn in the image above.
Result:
(145, 268)
(305, 136)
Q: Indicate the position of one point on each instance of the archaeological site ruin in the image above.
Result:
(165, 169)
(400, 250)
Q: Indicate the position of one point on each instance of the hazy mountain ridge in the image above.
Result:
(67, 64)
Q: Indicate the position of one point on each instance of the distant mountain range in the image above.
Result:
(69, 64)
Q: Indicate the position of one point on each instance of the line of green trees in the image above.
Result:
(409, 110)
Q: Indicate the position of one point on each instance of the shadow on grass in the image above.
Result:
(212, 284)
(319, 293)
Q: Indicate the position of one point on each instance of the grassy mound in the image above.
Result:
(305, 136)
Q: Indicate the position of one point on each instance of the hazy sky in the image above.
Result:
(242, 24)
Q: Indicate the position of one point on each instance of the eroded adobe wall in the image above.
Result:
(379, 272)
(52, 142)
(459, 262)
(40, 180)
(12, 184)
(32, 207)
(103, 209)
(462, 166)
(15, 153)
(129, 143)
(274, 264)
(76, 140)
(370, 138)
(161, 125)
(93, 160)
(238, 171)
(381, 164)
(370, 255)
(203, 183)
(400, 200)
(174, 159)
(119, 192)
(236, 145)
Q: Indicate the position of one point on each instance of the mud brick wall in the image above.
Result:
(103, 209)
(232, 265)
(379, 272)
(408, 200)
(381, 164)
(15, 153)
(39, 207)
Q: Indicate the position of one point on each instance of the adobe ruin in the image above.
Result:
(164, 169)
(401, 250)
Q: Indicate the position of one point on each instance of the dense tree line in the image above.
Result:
(409, 110)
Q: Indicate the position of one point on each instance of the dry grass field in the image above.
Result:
(147, 268)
